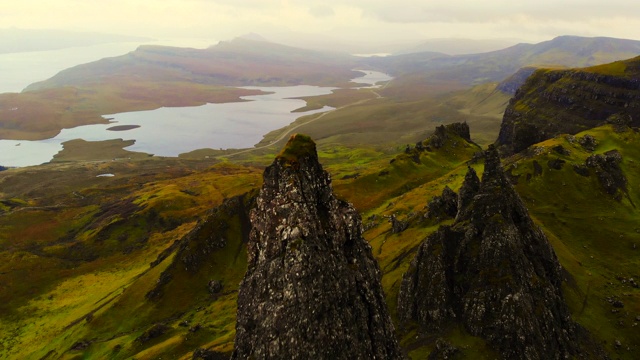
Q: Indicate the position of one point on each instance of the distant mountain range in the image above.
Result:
(465, 70)
(239, 62)
(458, 46)
(250, 60)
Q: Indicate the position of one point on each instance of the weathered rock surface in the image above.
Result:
(443, 206)
(153, 332)
(468, 190)
(569, 101)
(312, 288)
(397, 226)
(556, 164)
(441, 134)
(214, 287)
(204, 354)
(588, 142)
(610, 175)
(444, 351)
(444, 133)
(494, 272)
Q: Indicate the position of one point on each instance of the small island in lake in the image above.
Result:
(123, 127)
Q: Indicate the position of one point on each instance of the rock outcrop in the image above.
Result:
(494, 272)
(442, 133)
(607, 168)
(454, 134)
(570, 101)
(443, 206)
(312, 288)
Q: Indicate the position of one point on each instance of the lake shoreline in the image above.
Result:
(174, 131)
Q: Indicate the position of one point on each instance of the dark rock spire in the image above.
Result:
(493, 271)
(469, 188)
(312, 288)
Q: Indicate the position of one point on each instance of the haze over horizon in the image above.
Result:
(364, 25)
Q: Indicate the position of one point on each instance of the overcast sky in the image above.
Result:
(362, 20)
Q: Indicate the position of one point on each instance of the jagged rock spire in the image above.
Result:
(494, 272)
(312, 288)
(469, 188)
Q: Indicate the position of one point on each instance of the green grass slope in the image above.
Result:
(120, 267)
(76, 253)
(594, 235)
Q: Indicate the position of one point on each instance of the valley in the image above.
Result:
(148, 262)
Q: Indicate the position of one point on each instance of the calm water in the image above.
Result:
(172, 131)
(371, 78)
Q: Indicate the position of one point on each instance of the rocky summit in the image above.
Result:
(312, 288)
(494, 272)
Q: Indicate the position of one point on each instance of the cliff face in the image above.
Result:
(511, 84)
(569, 101)
(312, 288)
(494, 272)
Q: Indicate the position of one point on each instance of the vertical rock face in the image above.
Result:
(493, 271)
(553, 102)
(312, 289)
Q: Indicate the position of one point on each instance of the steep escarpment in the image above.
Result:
(511, 84)
(312, 287)
(570, 101)
(494, 272)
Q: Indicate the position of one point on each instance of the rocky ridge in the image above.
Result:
(312, 288)
(455, 133)
(194, 251)
(570, 101)
(494, 272)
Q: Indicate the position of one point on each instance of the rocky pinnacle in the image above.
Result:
(312, 288)
(494, 272)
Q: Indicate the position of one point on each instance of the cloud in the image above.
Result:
(360, 20)
(407, 11)
(321, 11)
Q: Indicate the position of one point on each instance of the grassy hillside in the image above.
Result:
(77, 249)
(95, 248)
